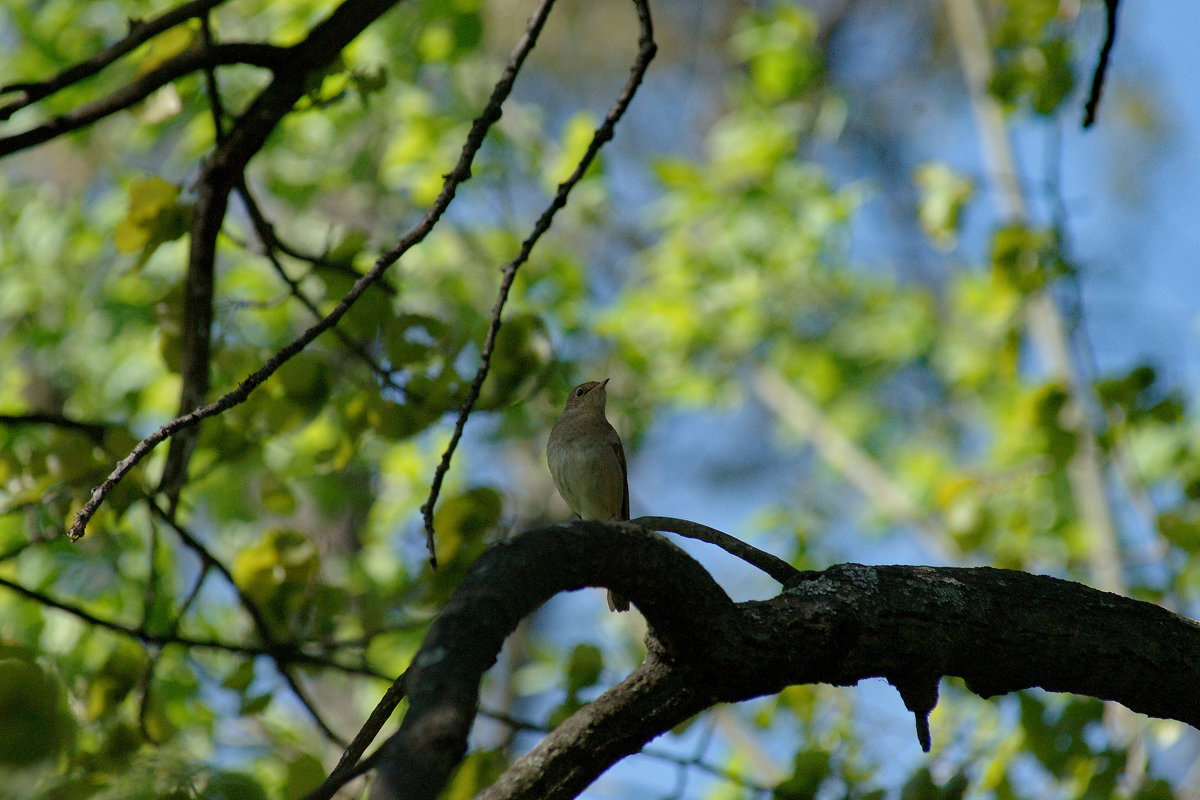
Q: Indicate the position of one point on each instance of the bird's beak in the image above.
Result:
(604, 382)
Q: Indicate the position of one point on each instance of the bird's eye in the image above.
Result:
(579, 392)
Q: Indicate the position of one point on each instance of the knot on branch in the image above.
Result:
(920, 695)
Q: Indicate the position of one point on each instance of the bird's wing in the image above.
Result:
(620, 452)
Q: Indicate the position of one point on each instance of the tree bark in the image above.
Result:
(998, 630)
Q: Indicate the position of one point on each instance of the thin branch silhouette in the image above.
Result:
(1101, 70)
(646, 50)
(460, 173)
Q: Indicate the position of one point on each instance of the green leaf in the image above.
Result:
(478, 770)
(166, 46)
(240, 677)
(233, 786)
(415, 338)
(1180, 530)
(277, 574)
(255, 704)
(1055, 78)
(577, 135)
(810, 769)
(348, 249)
(305, 380)
(920, 786)
(462, 519)
(32, 703)
(119, 675)
(155, 216)
(777, 46)
(943, 196)
(584, 667)
(305, 773)
(275, 495)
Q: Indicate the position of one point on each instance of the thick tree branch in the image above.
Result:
(658, 696)
(998, 630)
(505, 585)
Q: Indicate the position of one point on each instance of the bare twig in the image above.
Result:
(138, 89)
(139, 32)
(270, 243)
(1098, 74)
(646, 51)
(1086, 469)
(774, 566)
(247, 142)
(140, 633)
(352, 764)
(149, 637)
(215, 106)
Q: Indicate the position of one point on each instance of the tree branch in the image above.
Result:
(505, 585)
(771, 564)
(94, 430)
(998, 630)
(139, 32)
(1097, 87)
(224, 171)
(352, 764)
(244, 140)
(146, 636)
(646, 50)
(140, 88)
(656, 697)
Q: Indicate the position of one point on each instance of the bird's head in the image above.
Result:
(590, 394)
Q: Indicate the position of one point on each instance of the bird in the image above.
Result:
(587, 462)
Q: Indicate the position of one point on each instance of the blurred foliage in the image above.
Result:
(309, 492)
(1033, 56)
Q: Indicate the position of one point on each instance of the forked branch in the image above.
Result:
(998, 630)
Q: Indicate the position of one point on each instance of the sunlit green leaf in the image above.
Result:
(944, 195)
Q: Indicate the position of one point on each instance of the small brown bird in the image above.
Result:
(587, 462)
